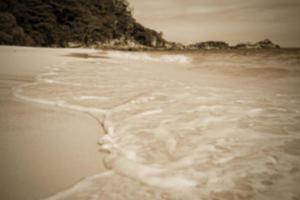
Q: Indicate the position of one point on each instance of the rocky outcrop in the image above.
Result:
(209, 45)
(174, 46)
(264, 44)
(73, 23)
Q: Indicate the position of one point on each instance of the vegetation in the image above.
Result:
(210, 45)
(62, 22)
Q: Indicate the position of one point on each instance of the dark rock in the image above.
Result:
(267, 44)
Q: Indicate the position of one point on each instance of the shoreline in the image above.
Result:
(80, 52)
(81, 48)
(40, 154)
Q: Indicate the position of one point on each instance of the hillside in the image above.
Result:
(73, 23)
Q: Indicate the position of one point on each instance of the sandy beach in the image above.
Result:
(44, 149)
(149, 100)
(219, 125)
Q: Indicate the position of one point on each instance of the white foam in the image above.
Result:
(225, 159)
(142, 99)
(171, 144)
(176, 58)
(149, 174)
(208, 108)
(210, 120)
(80, 186)
(150, 112)
(91, 98)
(181, 59)
(81, 108)
(255, 111)
(184, 162)
(52, 81)
(17, 91)
(167, 138)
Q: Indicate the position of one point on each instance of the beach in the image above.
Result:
(44, 149)
(150, 125)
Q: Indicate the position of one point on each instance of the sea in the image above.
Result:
(205, 125)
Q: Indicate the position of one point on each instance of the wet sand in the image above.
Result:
(43, 149)
(220, 125)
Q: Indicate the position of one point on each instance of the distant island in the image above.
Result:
(106, 24)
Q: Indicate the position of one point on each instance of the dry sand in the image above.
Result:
(43, 149)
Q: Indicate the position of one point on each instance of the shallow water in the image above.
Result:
(219, 125)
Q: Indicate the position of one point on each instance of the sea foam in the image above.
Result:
(181, 59)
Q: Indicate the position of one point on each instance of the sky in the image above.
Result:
(233, 21)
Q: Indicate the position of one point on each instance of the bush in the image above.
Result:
(57, 22)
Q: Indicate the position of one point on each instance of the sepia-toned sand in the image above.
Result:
(43, 149)
(219, 125)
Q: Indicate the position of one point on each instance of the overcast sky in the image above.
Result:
(233, 21)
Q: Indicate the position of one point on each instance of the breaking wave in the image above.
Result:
(182, 59)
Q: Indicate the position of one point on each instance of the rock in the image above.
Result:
(209, 45)
(174, 46)
(267, 44)
(264, 44)
(74, 45)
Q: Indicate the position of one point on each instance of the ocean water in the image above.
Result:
(209, 125)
